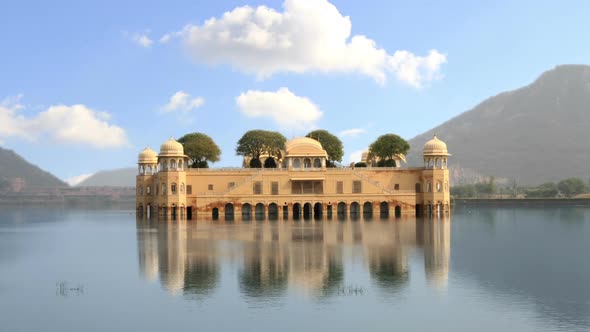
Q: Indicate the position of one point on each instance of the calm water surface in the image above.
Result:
(485, 269)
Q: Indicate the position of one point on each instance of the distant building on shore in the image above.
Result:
(300, 187)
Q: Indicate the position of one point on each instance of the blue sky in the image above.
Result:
(86, 85)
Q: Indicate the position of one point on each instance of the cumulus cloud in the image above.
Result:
(307, 36)
(352, 132)
(285, 108)
(182, 102)
(75, 124)
(13, 124)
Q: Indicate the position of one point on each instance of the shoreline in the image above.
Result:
(533, 202)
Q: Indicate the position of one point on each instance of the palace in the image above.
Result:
(300, 187)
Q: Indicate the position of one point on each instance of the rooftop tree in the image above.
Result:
(330, 143)
(387, 146)
(201, 149)
(255, 143)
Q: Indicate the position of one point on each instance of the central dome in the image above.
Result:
(171, 148)
(304, 146)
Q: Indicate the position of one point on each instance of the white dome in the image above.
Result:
(435, 147)
(171, 148)
(304, 146)
(148, 156)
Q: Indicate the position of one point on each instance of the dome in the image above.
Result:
(148, 156)
(304, 146)
(171, 148)
(435, 147)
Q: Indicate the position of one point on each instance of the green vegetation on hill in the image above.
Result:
(570, 187)
(533, 134)
(14, 166)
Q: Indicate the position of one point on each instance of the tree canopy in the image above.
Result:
(330, 143)
(200, 149)
(387, 146)
(255, 143)
(571, 187)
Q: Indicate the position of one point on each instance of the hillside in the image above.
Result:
(123, 177)
(14, 166)
(535, 134)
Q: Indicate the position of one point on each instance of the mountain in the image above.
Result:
(534, 134)
(13, 166)
(123, 177)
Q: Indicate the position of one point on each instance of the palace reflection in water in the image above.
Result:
(270, 258)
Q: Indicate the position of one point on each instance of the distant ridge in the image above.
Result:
(122, 177)
(13, 166)
(534, 134)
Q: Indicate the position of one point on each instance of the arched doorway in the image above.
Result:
(384, 210)
(341, 210)
(215, 213)
(259, 211)
(273, 211)
(246, 212)
(296, 211)
(418, 210)
(174, 212)
(367, 210)
(285, 211)
(306, 163)
(398, 211)
(355, 209)
(229, 211)
(307, 211)
(318, 211)
(329, 211)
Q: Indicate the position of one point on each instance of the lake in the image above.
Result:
(484, 269)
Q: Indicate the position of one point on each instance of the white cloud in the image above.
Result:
(307, 36)
(352, 132)
(13, 124)
(76, 124)
(142, 40)
(75, 180)
(182, 102)
(355, 156)
(165, 38)
(288, 110)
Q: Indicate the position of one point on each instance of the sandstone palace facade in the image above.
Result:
(300, 187)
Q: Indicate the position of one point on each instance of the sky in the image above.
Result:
(86, 85)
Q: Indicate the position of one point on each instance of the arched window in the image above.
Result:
(173, 188)
(180, 164)
(296, 163)
(306, 163)
(141, 170)
(317, 163)
(140, 190)
(163, 189)
(148, 190)
(149, 170)
(182, 188)
(439, 187)
(429, 187)
(173, 164)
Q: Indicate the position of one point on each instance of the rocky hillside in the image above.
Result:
(29, 176)
(123, 177)
(535, 134)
